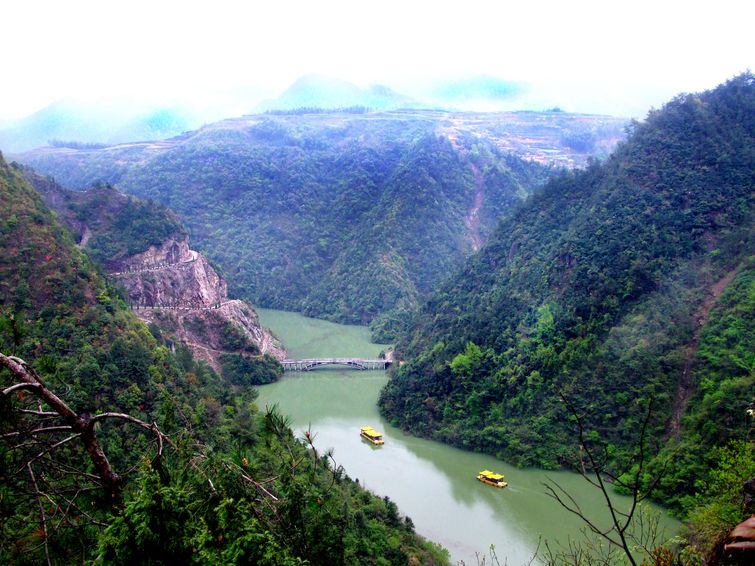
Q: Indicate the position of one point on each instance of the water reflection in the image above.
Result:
(434, 484)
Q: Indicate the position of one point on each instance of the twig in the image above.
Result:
(41, 510)
(21, 386)
(53, 447)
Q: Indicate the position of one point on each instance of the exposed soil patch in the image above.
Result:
(472, 218)
(686, 385)
(85, 237)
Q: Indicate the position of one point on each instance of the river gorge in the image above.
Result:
(432, 483)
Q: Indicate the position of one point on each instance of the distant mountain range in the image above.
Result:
(74, 123)
(107, 122)
(472, 93)
(318, 91)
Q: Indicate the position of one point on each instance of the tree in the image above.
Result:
(41, 431)
(628, 531)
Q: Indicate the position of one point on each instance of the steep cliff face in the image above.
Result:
(177, 289)
(205, 330)
(170, 275)
(145, 250)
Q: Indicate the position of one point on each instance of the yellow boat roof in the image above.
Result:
(491, 475)
(370, 430)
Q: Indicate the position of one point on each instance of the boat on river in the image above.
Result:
(491, 478)
(369, 433)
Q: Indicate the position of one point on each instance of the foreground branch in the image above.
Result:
(82, 427)
(618, 533)
(43, 517)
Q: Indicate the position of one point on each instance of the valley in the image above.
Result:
(554, 296)
(426, 479)
(337, 214)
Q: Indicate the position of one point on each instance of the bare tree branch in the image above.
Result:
(42, 515)
(621, 521)
(81, 425)
(159, 435)
(574, 508)
(39, 413)
(19, 387)
(50, 429)
(53, 447)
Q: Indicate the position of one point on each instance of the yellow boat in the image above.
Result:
(490, 478)
(372, 435)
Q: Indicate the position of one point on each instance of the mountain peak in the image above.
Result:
(322, 91)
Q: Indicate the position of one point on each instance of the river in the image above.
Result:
(432, 483)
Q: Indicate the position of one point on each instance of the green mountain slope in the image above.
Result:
(604, 287)
(108, 223)
(202, 501)
(340, 216)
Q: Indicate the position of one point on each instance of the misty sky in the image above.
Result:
(604, 56)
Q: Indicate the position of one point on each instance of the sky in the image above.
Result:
(605, 56)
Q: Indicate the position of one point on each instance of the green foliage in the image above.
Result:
(233, 338)
(717, 413)
(718, 508)
(214, 510)
(169, 521)
(204, 500)
(243, 370)
(341, 216)
(115, 225)
(595, 288)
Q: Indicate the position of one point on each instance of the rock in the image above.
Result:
(177, 289)
(171, 275)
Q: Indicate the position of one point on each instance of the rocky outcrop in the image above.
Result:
(202, 330)
(177, 289)
(144, 247)
(171, 275)
(171, 252)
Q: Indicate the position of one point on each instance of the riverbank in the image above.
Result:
(432, 483)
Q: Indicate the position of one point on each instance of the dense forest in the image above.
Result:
(624, 286)
(201, 474)
(350, 217)
(613, 305)
(113, 225)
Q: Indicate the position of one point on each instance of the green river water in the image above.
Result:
(432, 483)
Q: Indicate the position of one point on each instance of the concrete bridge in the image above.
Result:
(353, 363)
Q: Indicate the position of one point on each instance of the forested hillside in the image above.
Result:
(624, 286)
(348, 216)
(111, 225)
(200, 475)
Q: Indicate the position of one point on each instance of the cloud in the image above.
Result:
(170, 48)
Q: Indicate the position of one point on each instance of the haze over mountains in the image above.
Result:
(118, 120)
(351, 216)
(517, 273)
(317, 91)
(103, 122)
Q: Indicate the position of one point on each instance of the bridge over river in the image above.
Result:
(353, 363)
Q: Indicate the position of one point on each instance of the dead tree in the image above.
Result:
(628, 529)
(38, 426)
